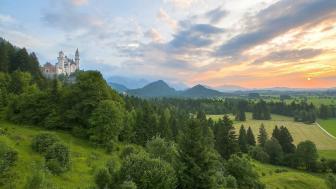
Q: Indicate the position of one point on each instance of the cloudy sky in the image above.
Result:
(283, 43)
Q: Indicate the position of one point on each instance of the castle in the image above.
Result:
(64, 66)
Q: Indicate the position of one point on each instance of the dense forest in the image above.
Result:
(168, 143)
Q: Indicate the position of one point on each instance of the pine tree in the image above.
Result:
(276, 133)
(286, 140)
(250, 137)
(262, 137)
(198, 158)
(225, 138)
(242, 139)
(4, 58)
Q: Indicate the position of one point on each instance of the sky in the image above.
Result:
(252, 44)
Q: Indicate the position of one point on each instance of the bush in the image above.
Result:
(331, 180)
(43, 141)
(259, 154)
(58, 158)
(8, 157)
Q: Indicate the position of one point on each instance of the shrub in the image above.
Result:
(259, 154)
(331, 180)
(8, 157)
(58, 158)
(43, 141)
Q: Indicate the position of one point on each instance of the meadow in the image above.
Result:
(86, 159)
(276, 177)
(329, 125)
(300, 131)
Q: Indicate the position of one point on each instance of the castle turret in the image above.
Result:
(60, 59)
(77, 59)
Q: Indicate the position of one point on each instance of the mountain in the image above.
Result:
(201, 91)
(118, 87)
(155, 89)
(128, 82)
(230, 88)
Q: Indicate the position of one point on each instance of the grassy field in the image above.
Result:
(299, 131)
(329, 125)
(86, 159)
(276, 177)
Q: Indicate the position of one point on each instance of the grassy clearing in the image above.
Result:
(86, 159)
(299, 131)
(328, 154)
(276, 177)
(329, 125)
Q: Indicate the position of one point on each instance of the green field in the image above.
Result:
(85, 158)
(329, 125)
(276, 177)
(299, 131)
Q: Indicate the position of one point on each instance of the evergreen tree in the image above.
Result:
(240, 113)
(4, 57)
(274, 150)
(262, 137)
(225, 138)
(286, 140)
(276, 133)
(242, 139)
(199, 161)
(250, 137)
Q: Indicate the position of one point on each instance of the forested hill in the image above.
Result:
(162, 89)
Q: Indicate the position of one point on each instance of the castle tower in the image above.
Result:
(77, 59)
(60, 59)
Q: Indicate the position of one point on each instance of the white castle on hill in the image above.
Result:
(65, 66)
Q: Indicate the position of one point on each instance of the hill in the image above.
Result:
(118, 87)
(155, 89)
(200, 91)
(86, 159)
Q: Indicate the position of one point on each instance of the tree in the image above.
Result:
(106, 122)
(274, 150)
(307, 153)
(286, 140)
(146, 172)
(200, 164)
(8, 158)
(240, 113)
(162, 149)
(225, 138)
(243, 171)
(250, 137)
(261, 111)
(262, 137)
(242, 139)
(276, 133)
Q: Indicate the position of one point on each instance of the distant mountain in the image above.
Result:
(155, 89)
(199, 91)
(230, 88)
(128, 82)
(118, 87)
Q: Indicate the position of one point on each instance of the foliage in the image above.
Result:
(273, 149)
(259, 154)
(307, 154)
(250, 137)
(106, 122)
(242, 139)
(261, 111)
(8, 157)
(262, 137)
(58, 158)
(242, 170)
(42, 142)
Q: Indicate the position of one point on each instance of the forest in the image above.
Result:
(162, 143)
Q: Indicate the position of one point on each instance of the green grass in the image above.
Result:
(328, 154)
(329, 125)
(86, 159)
(299, 131)
(289, 179)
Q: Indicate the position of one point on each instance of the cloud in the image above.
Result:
(290, 55)
(182, 4)
(198, 35)
(163, 15)
(278, 19)
(80, 2)
(6, 19)
(216, 15)
(154, 35)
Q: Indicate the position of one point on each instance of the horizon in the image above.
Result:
(254, 45)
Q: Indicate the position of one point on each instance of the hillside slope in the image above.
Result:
(86, 159)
